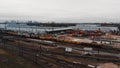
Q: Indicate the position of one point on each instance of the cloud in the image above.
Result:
(61, 10)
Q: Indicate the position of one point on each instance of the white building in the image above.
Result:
(94, 27)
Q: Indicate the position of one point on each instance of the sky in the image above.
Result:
(78, 11)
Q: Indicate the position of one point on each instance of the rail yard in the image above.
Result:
(59, 34)
(72, 48)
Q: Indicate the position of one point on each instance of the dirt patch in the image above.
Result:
(108, 65)
(2, 51)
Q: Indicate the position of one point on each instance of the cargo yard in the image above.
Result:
(68, 48)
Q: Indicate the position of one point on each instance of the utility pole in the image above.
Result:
(5, 27)
(36, 28)
(4, 40)
(19, 27)
(53, 25)
(40, 50)
(36, 58)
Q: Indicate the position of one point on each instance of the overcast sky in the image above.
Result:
(61, 10)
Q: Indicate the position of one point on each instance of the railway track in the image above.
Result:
(101, 48)
(37, 49)
(78, 49)
(32, 52)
